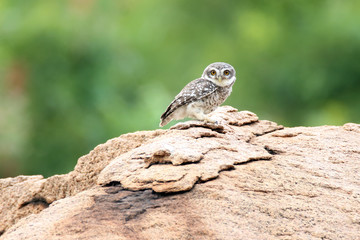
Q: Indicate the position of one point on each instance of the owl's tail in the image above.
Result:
(165, 117)
(165, 121)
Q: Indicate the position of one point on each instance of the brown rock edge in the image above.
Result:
(243, 178)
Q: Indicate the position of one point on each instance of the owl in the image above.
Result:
(203, 95)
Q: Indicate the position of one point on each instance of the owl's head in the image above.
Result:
(220, 73)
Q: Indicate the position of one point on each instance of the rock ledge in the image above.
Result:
(243, 178)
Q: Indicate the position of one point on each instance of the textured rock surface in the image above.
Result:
(242, 179)
(25, 195)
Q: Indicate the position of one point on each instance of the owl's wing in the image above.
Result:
(193, 91)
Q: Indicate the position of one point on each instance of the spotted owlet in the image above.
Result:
(203, 95)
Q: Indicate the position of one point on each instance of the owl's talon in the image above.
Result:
(212, 121)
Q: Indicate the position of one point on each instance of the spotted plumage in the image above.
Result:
(203, 95)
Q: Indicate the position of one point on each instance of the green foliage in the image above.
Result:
(76, 73)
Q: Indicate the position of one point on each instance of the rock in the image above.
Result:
(19, 198)
(25, 195)
(242, 178)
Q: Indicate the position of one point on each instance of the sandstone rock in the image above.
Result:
(243, 178)
(175, 161)
(25, 195)
(18, 198)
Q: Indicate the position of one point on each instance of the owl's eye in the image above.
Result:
(212, 72)
(226, 72)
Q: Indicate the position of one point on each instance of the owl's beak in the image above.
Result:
(220, 78)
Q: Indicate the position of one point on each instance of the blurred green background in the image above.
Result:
(76, 73)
